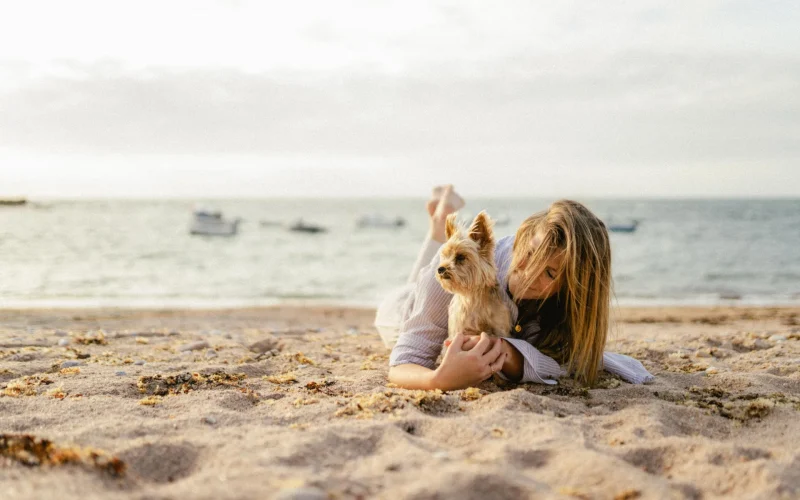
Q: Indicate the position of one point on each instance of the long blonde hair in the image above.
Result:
(578, 335)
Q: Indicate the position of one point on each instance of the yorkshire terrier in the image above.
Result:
(467, 270)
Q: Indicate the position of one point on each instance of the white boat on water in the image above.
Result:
(211, 223)
(381, 221)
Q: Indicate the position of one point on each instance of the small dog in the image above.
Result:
(467, 270)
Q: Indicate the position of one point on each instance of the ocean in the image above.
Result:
(140, 254)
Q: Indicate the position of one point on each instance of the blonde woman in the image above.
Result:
(556, 275)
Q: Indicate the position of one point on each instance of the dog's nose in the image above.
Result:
(441, 270)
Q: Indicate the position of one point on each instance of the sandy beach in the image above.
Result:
(293, 402)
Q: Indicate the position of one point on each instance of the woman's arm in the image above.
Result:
(459, 368)
(412, 377)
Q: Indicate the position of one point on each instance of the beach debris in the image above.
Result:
(78, 354)
(72, 370)
(150, 401)
(471, 394)
(498, 432)
(628, 495)
(98, 338)
(742, 408)
(301, 358)
(26, 386)
(159, 385)
(33, 451)
(57, 393)
(365, 406)
(194, 346)
(304, 401)
(283, 378)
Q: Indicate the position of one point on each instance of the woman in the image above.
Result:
(556, 274)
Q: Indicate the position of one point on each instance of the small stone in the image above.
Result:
(441, 455)
(210, 420)
(211, 353)
(777, 338)
(264, 345)
(352, 331)
(120, 374)
(70, 364)
(307, 493)
(761, 344)
(711, 370)
(63, 342)
(194, 346)
(61, 333)
(703, 353)
(139, 362)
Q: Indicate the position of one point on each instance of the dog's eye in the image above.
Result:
(460, 257)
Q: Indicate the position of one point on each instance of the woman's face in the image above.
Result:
(545, 285)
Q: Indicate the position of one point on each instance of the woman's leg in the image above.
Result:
(390, 313)
(444, 201)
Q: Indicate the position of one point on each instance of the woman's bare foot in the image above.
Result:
(447, 203)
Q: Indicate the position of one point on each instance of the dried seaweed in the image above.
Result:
(33, 452)
(367, 405)
(159, 385)
(26, 386)
(99, 338)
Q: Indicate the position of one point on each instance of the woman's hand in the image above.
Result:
(464, 368)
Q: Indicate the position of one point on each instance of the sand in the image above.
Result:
(293, 402)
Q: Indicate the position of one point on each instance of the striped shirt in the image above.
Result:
(424, 329)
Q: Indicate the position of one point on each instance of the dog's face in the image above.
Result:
(466, 261)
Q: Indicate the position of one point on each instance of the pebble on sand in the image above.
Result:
(70, 364)
(194, 346)
(264, 345)
(63, 342)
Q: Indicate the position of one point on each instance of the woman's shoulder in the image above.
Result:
(503, 249)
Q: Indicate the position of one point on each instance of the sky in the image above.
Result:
(373, 98)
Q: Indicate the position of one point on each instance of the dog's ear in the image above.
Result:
(450, 226)
(481, 231)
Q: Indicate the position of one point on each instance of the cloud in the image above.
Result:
(631, 108)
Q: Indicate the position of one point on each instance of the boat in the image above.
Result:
(380, 221)
(13, 202)
(302, 227)
(212, 223)
(623, 228)
(502, 220)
